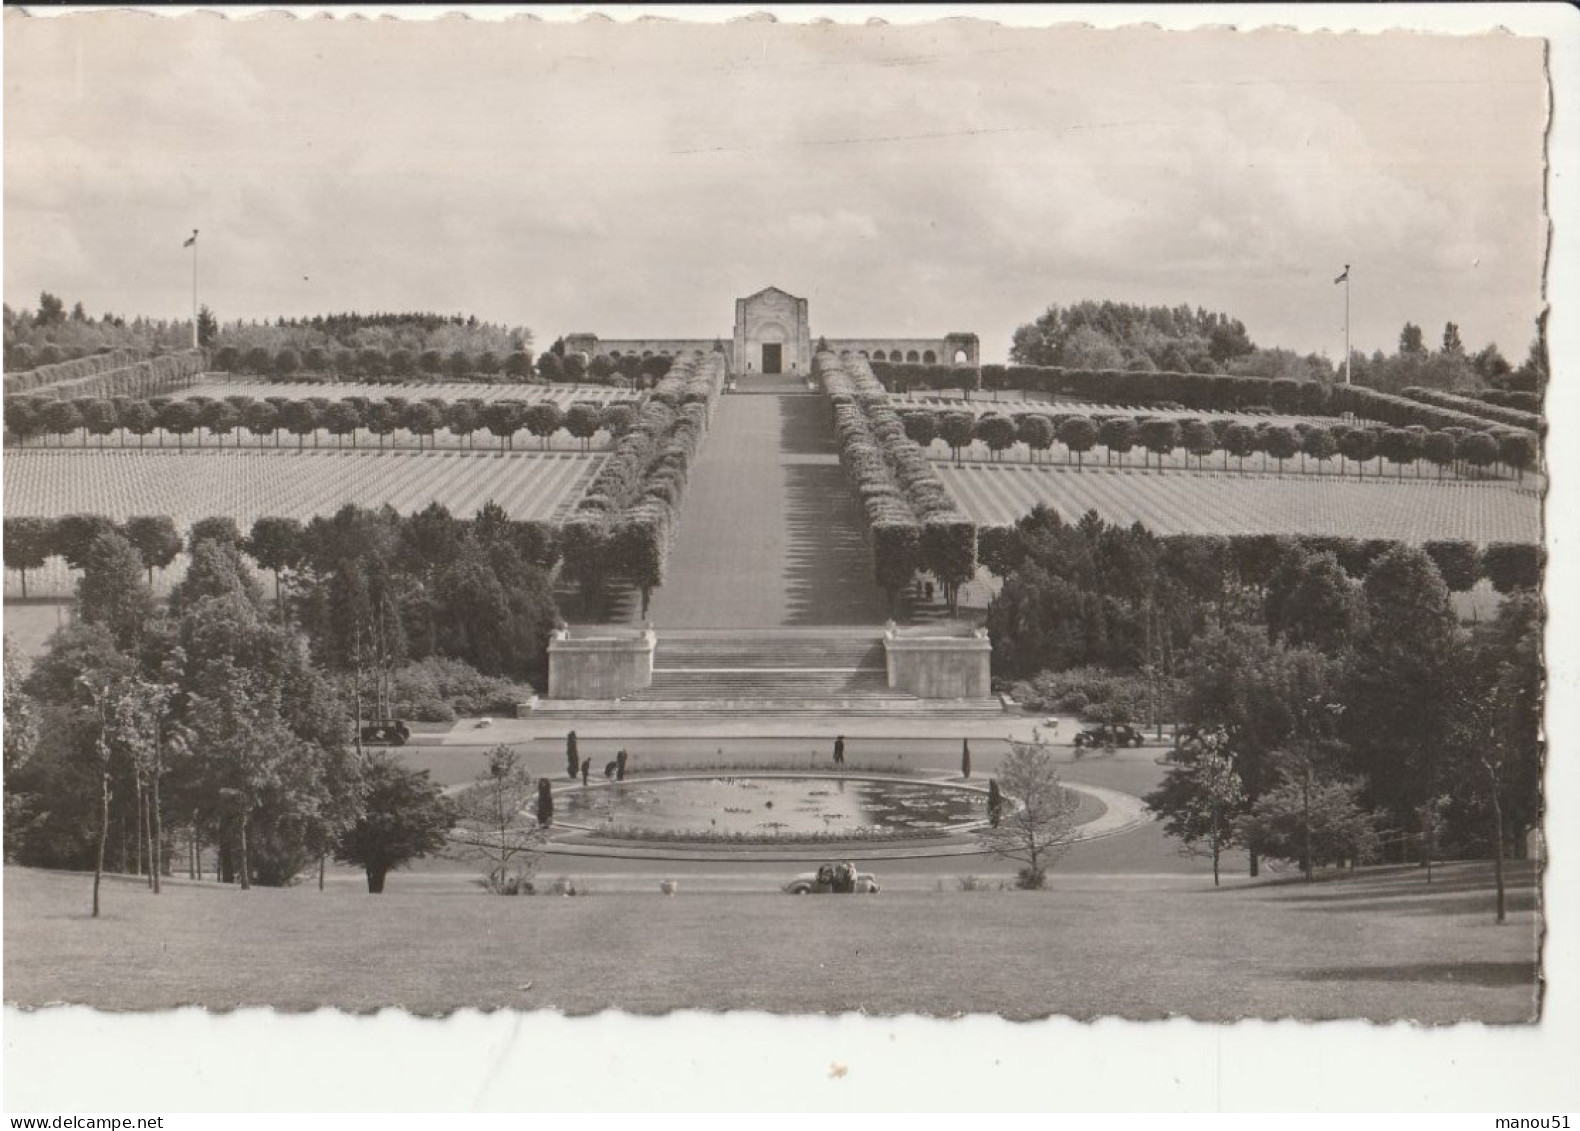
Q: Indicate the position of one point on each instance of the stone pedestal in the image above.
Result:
(939, 666)
(606, 666)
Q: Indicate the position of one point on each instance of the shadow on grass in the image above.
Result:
(1432, 903)
(1394, 883)
(1490, 974)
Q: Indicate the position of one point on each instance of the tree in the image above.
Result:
(1411, 340)
(216, 570)
(262, 418)
(997, 432)
(573, 762)
(60, 418)
(965, 758)
(422, 419)
(1312, 821)
(1117, 434)
(920, 428)
(156, 540)
(207, 327)
(1160, 437)
(1198, 438)
(1040, 823)
(300, 419)
(1360, 445)
(75, 535)
(100, 418)
(1312, 603)
(405, 816)
(1400, 446)
(1280, 443)
(1440, 448)
(1479, 450)
(179, 418)
(542, 419)
(1512, 566)
(618, 419)
(582, 420)
(956, 429)
(1458, 563)
(276, 545)
(1452, 344)
(1399, 681)
(461, 419)
(545, 806)
(1079, 435)
(1201, 797)
(492, 825)
(502, 418)
(28, 544)
(51, 310)
(1036, 431)
(215, 528)
(341, 419)
(1518, 450)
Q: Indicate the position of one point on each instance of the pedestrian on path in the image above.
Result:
(586, 769)
(839, 750)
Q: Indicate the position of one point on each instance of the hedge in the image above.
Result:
(914, 522)
(1513, 417)
(32, 380)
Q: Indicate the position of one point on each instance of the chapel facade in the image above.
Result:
(774, 336)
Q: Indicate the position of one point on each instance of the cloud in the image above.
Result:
(636, 178)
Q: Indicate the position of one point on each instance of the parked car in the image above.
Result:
(386, 732)
(1107, 734)
(837, 878)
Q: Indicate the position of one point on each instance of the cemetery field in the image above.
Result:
(1216, 502)
(1382, 944)
(249, 483)
(219, 387)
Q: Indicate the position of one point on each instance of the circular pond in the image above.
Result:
(772, 807)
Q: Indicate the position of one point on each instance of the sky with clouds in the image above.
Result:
(633, 179)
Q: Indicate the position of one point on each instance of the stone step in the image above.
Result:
(799, 684)
(633, 710)
(770, 652)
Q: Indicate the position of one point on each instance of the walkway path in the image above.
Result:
(770, 535)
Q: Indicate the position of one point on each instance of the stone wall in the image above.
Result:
(591, 345)
(940, 667)
(603, 667)
(925, 351)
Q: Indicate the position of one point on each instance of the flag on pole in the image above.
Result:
(1340, 279)
(193, 240)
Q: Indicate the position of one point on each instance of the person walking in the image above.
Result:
(586, 769)
(839, 750)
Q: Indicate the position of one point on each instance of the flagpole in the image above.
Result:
(194, 291)
(1346, 323)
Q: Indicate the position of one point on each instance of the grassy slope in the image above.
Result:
(1383, 945)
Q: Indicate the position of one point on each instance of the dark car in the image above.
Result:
(386, 732)
(1106, 735)
(833, 878)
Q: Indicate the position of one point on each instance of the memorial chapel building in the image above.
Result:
(772, 335)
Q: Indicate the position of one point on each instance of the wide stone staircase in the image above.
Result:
(778, 664)
(778, 671)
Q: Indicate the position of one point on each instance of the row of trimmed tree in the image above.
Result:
(622, 528)
(1454, 448)
(915, 525)
(27, 418)
(1202, 392)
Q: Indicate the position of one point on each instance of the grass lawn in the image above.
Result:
(1381, 945)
